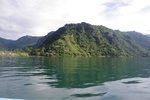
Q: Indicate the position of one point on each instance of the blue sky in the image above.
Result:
(38, 17)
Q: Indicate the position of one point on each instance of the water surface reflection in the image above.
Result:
(37, 78)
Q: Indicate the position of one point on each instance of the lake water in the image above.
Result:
(42, 78)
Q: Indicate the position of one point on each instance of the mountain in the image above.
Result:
(42, 39)
(148, 36)
(5, 44)
(26, 41)
(88, 40)
(21, 43)
(141, 39)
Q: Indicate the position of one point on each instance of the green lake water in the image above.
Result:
(43, 78)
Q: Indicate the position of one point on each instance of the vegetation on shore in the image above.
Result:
(80, 40)
(13, 54)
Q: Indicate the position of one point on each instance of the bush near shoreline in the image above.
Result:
(6, 53)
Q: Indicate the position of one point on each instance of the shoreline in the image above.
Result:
(12, 54)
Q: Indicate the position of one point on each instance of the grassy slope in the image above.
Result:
(90, 40)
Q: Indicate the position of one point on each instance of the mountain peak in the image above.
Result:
(83, 39)
(21, 43)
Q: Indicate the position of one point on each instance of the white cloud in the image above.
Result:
(38, 17)
(132, 15)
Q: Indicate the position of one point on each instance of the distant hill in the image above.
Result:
(26, 41)
(42, 39)
(5, 44)
(141, 39)
(21, 43)
(148, 36)
(85, 40)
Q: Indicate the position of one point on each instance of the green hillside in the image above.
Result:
(89, 40)
(21, 43)
(42, 39)
(143, 40)
(5, 44)
(25, 41)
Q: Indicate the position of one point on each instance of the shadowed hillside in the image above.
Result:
(21, 43)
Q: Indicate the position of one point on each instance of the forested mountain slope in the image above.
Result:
(84, 39)
(143, 40)
(21, 43)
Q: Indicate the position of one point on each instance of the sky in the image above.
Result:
(38, 17)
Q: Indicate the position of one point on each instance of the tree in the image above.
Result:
(42, 51)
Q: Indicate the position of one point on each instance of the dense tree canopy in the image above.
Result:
(90, 40)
